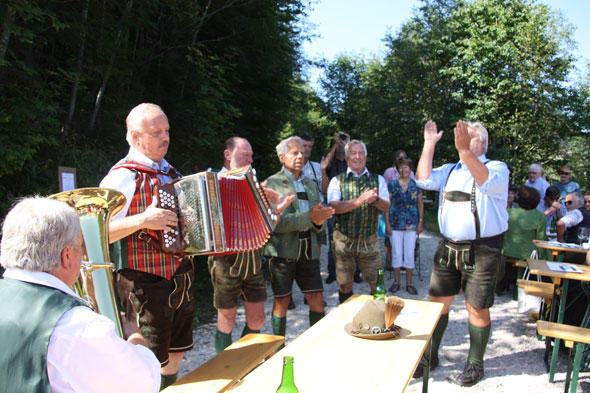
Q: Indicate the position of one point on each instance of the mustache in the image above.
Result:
(164, 144)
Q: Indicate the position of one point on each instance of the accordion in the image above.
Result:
(218, 213)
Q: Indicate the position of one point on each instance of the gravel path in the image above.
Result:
(514, 356)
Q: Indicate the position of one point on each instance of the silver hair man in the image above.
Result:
(135, 118)
(354, 142)
(536, 167)
(283, 146)
(482, 132)
(35, 232)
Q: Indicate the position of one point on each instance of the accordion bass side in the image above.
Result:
(218, 213)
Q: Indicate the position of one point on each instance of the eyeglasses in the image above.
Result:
(564, 173)
(568, 202)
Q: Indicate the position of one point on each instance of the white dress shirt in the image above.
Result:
(572, 218)
(335, 195)
(123, 179)
(313, 171)
(455, 219)
(85, 354)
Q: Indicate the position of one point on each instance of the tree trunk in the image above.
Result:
(81, 50)
(107, 74)
(5, 35)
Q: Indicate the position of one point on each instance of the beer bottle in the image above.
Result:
(379, 293)
(288, 383)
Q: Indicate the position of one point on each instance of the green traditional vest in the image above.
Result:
(360, 222)
(29, 313)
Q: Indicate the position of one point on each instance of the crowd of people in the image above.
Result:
(337, 202)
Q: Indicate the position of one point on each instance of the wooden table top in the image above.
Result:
(223, 370)
(327, 359)
(539, 266)
(555, 246)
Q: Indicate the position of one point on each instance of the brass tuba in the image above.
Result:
(96, 283)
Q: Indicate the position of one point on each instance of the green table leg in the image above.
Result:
(426, 364)
(561, 313)
(576, 368)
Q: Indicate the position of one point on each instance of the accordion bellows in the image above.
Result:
(218, 213)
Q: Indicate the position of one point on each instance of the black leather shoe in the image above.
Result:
(330, 279)
(411, 290)
(394, 288)
(420, 369)
(471, 375)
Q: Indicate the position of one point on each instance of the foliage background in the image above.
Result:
(71, 70)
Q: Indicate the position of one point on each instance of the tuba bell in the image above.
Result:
(96, 283)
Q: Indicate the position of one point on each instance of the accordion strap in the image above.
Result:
(136, 166)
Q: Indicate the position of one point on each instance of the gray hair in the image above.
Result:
(134, 120)
(482, 132)
(578, 196)
(283, 146)
(34, 233)
(536, 167)
(354, 142)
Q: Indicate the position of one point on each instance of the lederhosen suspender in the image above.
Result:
(461, 196)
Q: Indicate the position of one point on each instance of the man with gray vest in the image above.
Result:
(357, 196)
(472, 218)
(51, 340)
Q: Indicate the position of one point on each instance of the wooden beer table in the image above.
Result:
(556, 247)
(327, 359)
(560, 278)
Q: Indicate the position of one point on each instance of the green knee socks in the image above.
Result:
(343, 296)
(279, 325)
(478, 340)
(437, 335)
(248, 330)
(167, 380)
(315, 316)
(222, 340)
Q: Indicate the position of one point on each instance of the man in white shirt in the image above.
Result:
(155, 288)
(51, 340)
(537, 182)
(568, 224)
(472, 218)
(357, 197)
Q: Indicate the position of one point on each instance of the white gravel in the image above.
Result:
(514, 356)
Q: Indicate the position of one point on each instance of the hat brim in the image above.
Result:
(378, 336)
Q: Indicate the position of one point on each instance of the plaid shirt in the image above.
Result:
(143, 252)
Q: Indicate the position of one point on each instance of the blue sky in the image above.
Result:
(356, 27)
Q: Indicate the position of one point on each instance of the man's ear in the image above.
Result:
(66, 257)
(227, 155)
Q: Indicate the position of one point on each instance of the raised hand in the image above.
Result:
(318, 213)
(462, 138)
(431, 133)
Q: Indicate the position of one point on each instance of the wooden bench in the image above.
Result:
(229, 366)
(572, 336)
(537, 288)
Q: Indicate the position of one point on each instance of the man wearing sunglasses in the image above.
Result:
(565, 183)
(576, 217)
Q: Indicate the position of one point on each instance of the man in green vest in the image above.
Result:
(51, 340)
(357, 196)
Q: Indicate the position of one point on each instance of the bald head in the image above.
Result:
(237, 153)
(148, 131)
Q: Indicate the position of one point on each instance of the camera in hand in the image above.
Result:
(343, 136)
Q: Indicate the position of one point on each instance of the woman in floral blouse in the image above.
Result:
(404, 223)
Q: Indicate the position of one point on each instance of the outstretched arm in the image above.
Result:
(431, 138)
